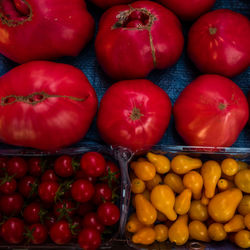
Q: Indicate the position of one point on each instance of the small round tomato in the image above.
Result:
(84, 208)
(47, 191)
(7, 185)
(137, 186)
(64, 166)
(102, 193)
(91, 220)
(37, 234)
(33, 213)
(93, 164)
(89, 238)
(80, 174)
(27, 187)
(64, 209)
(60, 232)
(17, 167)
(112, 174)
(229, 167)
(36, 166)
(108, 213)
(12, 231)
(49, 175)
(82, 190)
(11, 204)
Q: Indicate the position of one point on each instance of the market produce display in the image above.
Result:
(181, 200)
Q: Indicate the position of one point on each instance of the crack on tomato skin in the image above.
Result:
(35, 98)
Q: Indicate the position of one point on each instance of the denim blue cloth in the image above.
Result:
(172, 80)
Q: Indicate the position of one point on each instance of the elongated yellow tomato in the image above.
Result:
(178, 233)
(216, 232)
(198, 231)
(242, 180)
(211, 173)
(222, 206)
(161, 162)
(154, 182)
(204, 199)
(183, 202)
(247, 221)
(244, 206)
(198, 211)
(145, 236)
(174, 181)
(161, 232)
(133, 224)
(235, 224)
(137, 186)
(145, 212)
(224, 185)
(163, 199)
(229, 167)
(144, 170)
(242, 239)
(193, 181)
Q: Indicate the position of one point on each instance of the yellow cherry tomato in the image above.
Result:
(247, 221)
(137, 186)
(174, 181)
(198, 211)
(154, 182)
(235, 224)
(133, 224)
(161, 232)
(144, 170)
(161, 162)
(198, 231)
(217, 232)
(242, 180)
(242, 239)
(183, 202)
(229, 167)
(224, 185)
(145, 236)
(244, 206)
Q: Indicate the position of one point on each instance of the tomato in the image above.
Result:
(27, 187)
(108, 213)
(89, 238)
(102, 193)
(134, 39)
(33, 213)
(11, 204)
(82, 190)
(64, 166)
(211, 111)
(52, 29)
(49, 175)
(80, 174)
(17, 167)
(219, 43)
(36, 166)
(52, 99)
(108, 3)
(8, 185)
(134, 114)
(60, 232)
(65, 209)
(188, 9)
(47, 191)
(91, 220)
(37, 234)
(84, 208)
(12, 230)
(112, 174)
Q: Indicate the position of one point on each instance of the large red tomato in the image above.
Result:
(108, 3)
(219, 43)
(135, 39)
(45, 105)
(44, 29)
(134, 114)
(211, 111)
(188, 9)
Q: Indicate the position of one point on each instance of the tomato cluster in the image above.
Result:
(67, 198)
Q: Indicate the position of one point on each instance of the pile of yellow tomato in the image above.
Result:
(188, 199)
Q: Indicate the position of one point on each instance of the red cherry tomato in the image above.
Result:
(64, 166)
(93, 164)
(11, 204)
(60, 232)
(36, 166)
(49, 175)
(102, 193)
(38, 234)
(17, 167)
(33, 213)
(12, 230)
(82, 190)
(108, 3)
(8, 185)
(84, 208)
(27, 187)
(91, 220)
(108, 213)
(65, 209)
(89, 239)
(47, 191)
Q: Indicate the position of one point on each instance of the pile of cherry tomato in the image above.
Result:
(65, 199)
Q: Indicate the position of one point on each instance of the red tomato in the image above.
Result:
(134, 39)
(12, 231)
(108, 213)
(139, 113)
(102, 193)
(17, 167)
(112, 174)
(60, 232)
(27, 187)
(11, 204)
(211, 111)
(7, 185)
(219, 43)
(108, 3)
(47, 191)
(64, 166)
(33, 212)
(188, 9)
(82, 190)
(65, 209)
(89, 239)
(37, 234)
(36, 166)
(84, 208)
(49, 175)
(53, 107)
(93, 164)
(51, 28)
(91, 220)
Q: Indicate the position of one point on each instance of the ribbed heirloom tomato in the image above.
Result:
(32, 30)
(45, 105)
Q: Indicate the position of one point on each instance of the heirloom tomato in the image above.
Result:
(108, 3)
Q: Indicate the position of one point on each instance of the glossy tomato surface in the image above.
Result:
(45, 105)
(134, 39)
(134, 114)
(108, 3)
(211, 111)
(47, 29)
(218, 42)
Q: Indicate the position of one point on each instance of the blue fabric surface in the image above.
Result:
(172, 80)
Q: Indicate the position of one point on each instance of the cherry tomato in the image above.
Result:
(112, 173)
(82, 190)
(11, 204)
(49, 175)
(37, 234)
(84, 208)
(80, 174)
(64, 166)
(89, 238)
(102, 193)
(108, 213)
(7, 185)
(60, 232)
(36, 166)
(12, 230)
(91, 220)
(47, 191)
(93, 164)
(33, 212)
(27, 187)
(50, 220)
(64, 209)
(17, 167)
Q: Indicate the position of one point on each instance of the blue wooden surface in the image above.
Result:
(172, 80)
